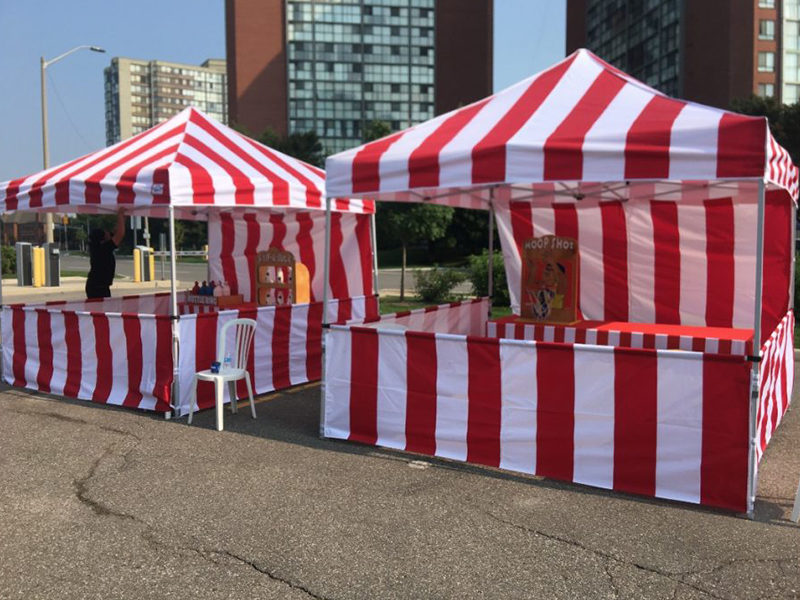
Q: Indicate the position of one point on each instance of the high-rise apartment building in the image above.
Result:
(141, 93)
(333, 66)
(709, 51)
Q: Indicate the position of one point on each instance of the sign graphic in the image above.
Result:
(550, 279)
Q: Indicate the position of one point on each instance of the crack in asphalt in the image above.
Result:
(677, 577)
(610, 575)
(68, 419)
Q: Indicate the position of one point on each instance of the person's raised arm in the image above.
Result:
(119, 232)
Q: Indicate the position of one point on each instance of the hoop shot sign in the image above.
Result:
(550, 279)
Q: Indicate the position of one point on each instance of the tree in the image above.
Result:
(304, 146)
(375, 130)
(412, 223)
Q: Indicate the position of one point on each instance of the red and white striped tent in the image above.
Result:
(190, 162)
(254, 197)
(684, 216)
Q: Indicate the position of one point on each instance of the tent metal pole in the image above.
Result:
(174, 318)
(375, 288)
(751, 455)
(326, 275)
(490, 286)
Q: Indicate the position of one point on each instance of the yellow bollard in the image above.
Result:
(37, 258)
(205, 249)
(137, 262)
(152, 266)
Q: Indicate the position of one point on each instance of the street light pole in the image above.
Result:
(48, 216)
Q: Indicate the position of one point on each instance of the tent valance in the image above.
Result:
(569, 129)
(190, 162)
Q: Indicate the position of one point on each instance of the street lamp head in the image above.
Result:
(96, 49)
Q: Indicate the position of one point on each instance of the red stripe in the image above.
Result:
(162, 390)
(635, 421)
(489, 154)
(563, 150)
(421, 368)
(555, 415)
(133, 341)
(251, 249)
(313, 191)
(44, 336)
(35, 193)
(344, 310)
(364, 386)
(94, 182)
(280, 187)
(125, 193)
(648, 141)
(338, 274)
(105, 364)
(667, 276)
(521, 224)
(20, 346)
(778, 253)
(423, 162)
(366, 164)
(281, 330)
(314, 341)
(161, 178)
(615, 261)
(202, 184)
(723, 468)
(243, 188)
(72, 343)
(566, 225)
(720, 267)
(205, 354)
(364, 240)
(371, 308)
(305, 243)
(484, 397)
(741, 146)
(228, 237)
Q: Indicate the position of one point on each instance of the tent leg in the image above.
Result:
(796, 509)
(375, 288)
(326, 275)
(754, 393)
(174, 317)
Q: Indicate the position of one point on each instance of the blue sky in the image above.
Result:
(528, 34)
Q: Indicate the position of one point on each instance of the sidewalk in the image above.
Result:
(73, 288)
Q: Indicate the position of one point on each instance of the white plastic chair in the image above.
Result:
(245, 328)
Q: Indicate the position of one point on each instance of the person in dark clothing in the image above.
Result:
(101, 259)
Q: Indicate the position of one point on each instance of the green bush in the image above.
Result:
(436, 284)
(8, 255)
(478, 275)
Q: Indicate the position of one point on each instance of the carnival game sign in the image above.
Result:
(550, 279)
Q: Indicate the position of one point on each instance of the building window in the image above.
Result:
(766, 90)
(766, 61)
(766, 29)
(766, 3)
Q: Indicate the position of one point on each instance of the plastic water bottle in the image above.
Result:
(228, 362)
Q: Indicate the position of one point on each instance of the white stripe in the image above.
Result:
(744, 258)
(392, 391)
(187, 360)
(8, 344)
(452, 402)
(603, 145)
(518, 408)
(262, 349)
(594, 418)
(525, 161)
(298, 337)
(693, 143)
(148, 381)
(31, 348)
(59, 345)
(694, 263)
(679, 426)
(119, 360)
(338, 351)
(641, 263)
(88, 357)
(592, 286)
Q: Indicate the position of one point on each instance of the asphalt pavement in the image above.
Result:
(99, 502)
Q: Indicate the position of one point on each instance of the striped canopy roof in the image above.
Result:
(190, 161)
(579, 128)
